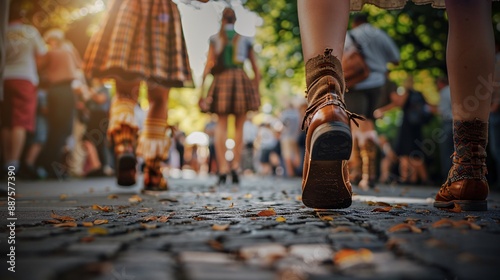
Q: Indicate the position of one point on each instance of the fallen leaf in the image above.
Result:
(97, 231)
(67, 224)
(232, 205)
(401, 205)
(168, 199)
(468, 224)
(409, 227)
(87, 239)
(326, 218)
(135, 199)
(220, 227)
(62, 218)
(100, 222)
(149, 218)
(112, 196)
(443, 223)
(63, 196)
(248, 195)
(411, 221)
(199, 218)
(227, 198)
(378, 203)
(348, 257)
(87, 224)
(471, 218)
(210, 208)
(281, 219)
(216, 245)
(422, 211)
(145, 210)
(101, 208)
(385, 209)
(341, 229)
(148, 226)
(267, 213)
(163, 219)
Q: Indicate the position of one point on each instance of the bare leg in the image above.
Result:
(403, 168)
(220, 144)
(13, 143)
(323, 24)
(238, 139)
(33, 153)
(470, 58)
(158, 102)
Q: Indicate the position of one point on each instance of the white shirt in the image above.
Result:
(378, 49)
(22, 44)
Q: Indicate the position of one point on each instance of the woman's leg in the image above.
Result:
(238, 139)
(470, 58)
(323, 25)
(155, 139)
(220, 144)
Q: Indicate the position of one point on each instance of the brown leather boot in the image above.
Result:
(325, 181)
(124, 141)
(369, 166)
(466, 185)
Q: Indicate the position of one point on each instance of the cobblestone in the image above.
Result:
(196, 232)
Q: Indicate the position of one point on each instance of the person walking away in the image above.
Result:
(290, 118)
(232, 92)
(24, 48)
(378, 50)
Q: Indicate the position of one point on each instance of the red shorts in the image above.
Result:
(19, 104)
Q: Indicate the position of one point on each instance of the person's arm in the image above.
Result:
(255, 68)
(210, 63)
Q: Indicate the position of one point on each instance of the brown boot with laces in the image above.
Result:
(325, 179)
(466, 185)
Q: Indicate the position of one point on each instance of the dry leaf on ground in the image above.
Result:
(378, 203)
(97, 231)
(220, 227)
(403, 227)
(63, 196)
(135, 199)
(216, 245)
(210, 208)
(267, 213)
(232, 205)
(62, 218)
(385, 209)
(281, 219)
(227, 198)
(100, 222)
(112, 196)
(67, 224)
(164, 219)
(248, 195)
(348, 257)
(101, 208)
(148, 226)
(87, 224)
(342, 229)
(149, 218)
(326, 218)
(145, 210)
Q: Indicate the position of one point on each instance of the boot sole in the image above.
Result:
(465, 205)
(325, 186)
(125, 164)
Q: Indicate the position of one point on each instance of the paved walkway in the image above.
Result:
(90, 229)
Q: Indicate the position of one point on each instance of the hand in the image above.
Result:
(378, 114)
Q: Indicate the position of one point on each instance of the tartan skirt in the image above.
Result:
(232, 92)
(140, 39)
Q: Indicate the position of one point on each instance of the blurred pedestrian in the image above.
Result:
(60, 68)
(210, 131)
(38, 140)
(232, 92)
(24, 48)
(267, 142)
(290, 118)
(94, 139)
(248, 158)
(140, 41)
(378, 50)
(470, 56)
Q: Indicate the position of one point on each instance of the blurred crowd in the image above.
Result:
(54, 125)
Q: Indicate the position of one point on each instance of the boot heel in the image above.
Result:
(331, 141)
(126, 170)
(325, 185)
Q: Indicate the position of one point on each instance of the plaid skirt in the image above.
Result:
(140, 39)
(232, 92)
